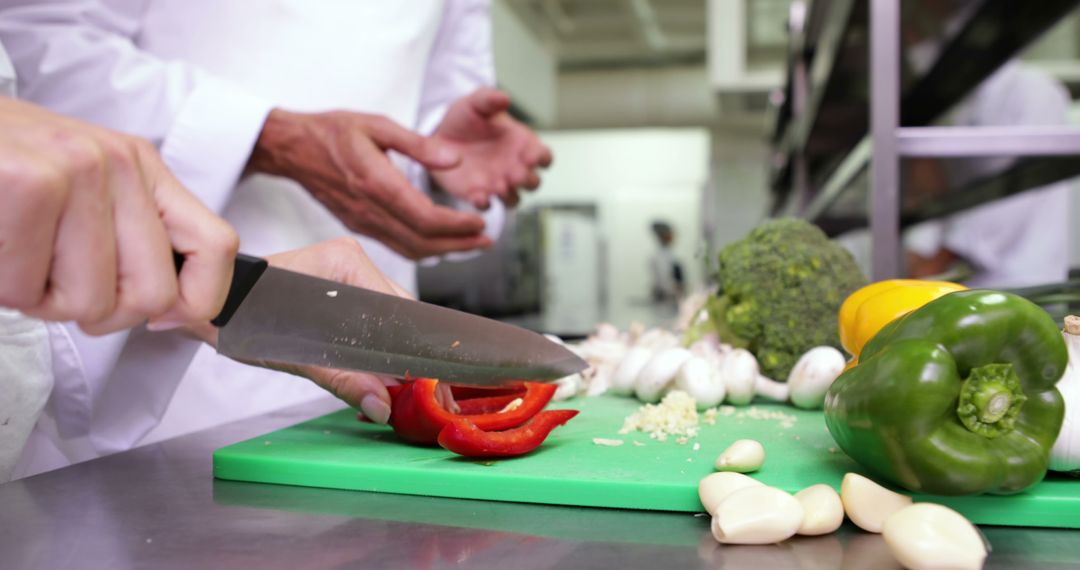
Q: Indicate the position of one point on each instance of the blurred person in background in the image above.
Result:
(299, 122)
(1015, 241)
(664, 268)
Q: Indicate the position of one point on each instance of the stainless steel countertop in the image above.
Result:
(159, 507)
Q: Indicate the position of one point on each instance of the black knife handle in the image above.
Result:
(246, 271)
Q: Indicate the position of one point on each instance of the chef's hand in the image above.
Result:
(340, 157)
(344, 261)
(88, 222)
(499, 155)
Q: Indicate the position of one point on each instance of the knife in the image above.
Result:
(276, 315)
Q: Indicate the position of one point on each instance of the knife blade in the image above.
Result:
(276, 315)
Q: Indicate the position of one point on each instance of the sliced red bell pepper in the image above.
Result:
(468, 392)
(465, 438)
(487, 405)
(417, 416)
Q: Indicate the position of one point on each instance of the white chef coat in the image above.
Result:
(197, 77)
(25, 359)
(1019, 240)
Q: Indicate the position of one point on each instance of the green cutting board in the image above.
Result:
(336, 451)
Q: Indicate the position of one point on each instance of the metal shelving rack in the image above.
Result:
(849, 116)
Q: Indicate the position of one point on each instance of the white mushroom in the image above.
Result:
(812, 375)
(568, 387)
(701, 379)
(626, 373)
(1065, 455)
(607, 332)
(739, 369)
(657, 339)
(659, 373)
(600, 379)
(771, 389)
(708, 347)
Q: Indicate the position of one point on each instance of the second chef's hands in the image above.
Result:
(341, 158)
(499, 155)
(88, 224)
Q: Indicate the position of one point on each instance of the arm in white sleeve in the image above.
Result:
(1016, 95)
(80, 58)
(461, 60)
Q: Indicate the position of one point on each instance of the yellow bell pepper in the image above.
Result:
(868, 310)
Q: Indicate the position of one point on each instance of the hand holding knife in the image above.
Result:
(277, 315)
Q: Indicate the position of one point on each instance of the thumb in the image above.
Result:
(427, 151)
(488, 101)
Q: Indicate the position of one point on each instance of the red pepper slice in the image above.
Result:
(465, 438)
(487, 405)
(418, 417)
(468, 392)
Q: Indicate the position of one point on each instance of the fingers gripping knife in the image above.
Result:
(276, 315)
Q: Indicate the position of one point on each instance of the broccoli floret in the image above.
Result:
(780, 291)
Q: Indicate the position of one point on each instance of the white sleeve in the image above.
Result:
(80, 58)
(1019, 95)
(461, 60)
(7, 75)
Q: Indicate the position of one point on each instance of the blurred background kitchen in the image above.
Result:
(708, 116)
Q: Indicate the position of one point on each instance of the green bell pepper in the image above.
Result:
(956, 397)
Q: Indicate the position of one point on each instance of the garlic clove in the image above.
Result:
(928, 536)
(757, 515)
(823, 510)
(743, 456)
(716, 487)
(868, 504)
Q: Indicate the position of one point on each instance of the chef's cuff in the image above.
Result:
(924, 239)
(212, 137)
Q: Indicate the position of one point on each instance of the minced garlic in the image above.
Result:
(675, 415)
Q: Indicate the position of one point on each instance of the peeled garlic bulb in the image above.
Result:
(716, 487)
(868, 504)
(743, 456)
(822, 508)
(757, 515)
(927, 536)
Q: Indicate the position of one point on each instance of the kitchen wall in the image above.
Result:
(631, 177)
(524, 66)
